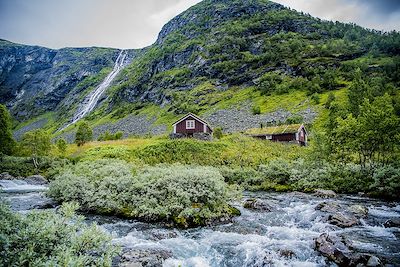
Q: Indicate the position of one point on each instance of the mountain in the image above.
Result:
(217, 56)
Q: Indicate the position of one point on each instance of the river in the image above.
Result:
(282, 237)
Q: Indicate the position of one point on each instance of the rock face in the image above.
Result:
(35, 79)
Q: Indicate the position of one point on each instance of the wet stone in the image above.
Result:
(257, 204)
(328, 207)
(395, 222)
(343, 221)
(142, 257)
(324, 193)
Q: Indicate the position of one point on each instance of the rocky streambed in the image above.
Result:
(274, 229)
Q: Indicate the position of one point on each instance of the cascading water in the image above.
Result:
(283, 236)
(93, 97)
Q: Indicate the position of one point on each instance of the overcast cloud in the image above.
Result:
(136, 23)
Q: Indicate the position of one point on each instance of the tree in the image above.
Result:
(84, 134)
(7, 142)
(218, 133)
(358, 91)
(329, 100)
(37, 143)
(373, 136)
(61, 146)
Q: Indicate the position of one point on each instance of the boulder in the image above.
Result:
(394, 222)
(36, 180)
(358, 210)
(374, 261)
(257, 204)
(343, 221)
(333, 248)
(324, 193)
(328, 207)
(142, 257)
(6, 176)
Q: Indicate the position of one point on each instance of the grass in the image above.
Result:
(232, 150)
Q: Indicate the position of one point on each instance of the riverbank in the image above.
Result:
(282, 232)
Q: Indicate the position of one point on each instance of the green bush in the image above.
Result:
(218, 133)
(107, 136)
(187, 195)
(47, 238)
(277, 171)
(23, 166)
(386, 182)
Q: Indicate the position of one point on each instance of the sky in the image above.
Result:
(136, 23)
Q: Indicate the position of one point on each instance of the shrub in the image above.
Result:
(295, 119)
(256, 110)
(186, 195)
(218, 133)
(23, 166)
(386, 182)
(276, 170)
(47, 238)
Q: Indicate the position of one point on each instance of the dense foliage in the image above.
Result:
(186, 195)
(7, 142)
(47, 238)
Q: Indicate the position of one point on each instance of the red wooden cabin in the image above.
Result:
(295, 133)
(191, 124)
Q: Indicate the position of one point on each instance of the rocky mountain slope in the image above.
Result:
(218, 55)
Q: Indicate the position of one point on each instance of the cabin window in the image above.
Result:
(190, 124)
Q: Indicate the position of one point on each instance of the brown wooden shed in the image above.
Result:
(191, 124)
(283, 133)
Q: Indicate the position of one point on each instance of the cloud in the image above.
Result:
(136, 23)
(375, 14)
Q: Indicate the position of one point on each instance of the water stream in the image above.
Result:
(283, 237)
(90, 101)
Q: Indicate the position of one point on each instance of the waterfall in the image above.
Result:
(90, 101)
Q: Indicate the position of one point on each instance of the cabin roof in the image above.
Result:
(194, 116)
(274, 130)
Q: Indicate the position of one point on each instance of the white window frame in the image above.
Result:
(190, 124)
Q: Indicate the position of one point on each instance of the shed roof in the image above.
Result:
(194, 116)
(281, 129)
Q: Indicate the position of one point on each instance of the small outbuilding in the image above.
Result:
(191, 125)
(295, 133)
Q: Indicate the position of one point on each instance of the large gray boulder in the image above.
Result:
(342, 221)
(257, 204)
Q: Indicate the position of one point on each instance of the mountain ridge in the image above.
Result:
(202, 58)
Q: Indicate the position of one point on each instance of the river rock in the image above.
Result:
(374, 261)
(257, 204)
(143, 257)
(36, 180)
(6, 176)
(358, 210)
(328, 207)
(394, 222)
(333, 248)
(324, 193)
(343, 221)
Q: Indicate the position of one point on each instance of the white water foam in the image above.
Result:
(16, 186)
(93, 97)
